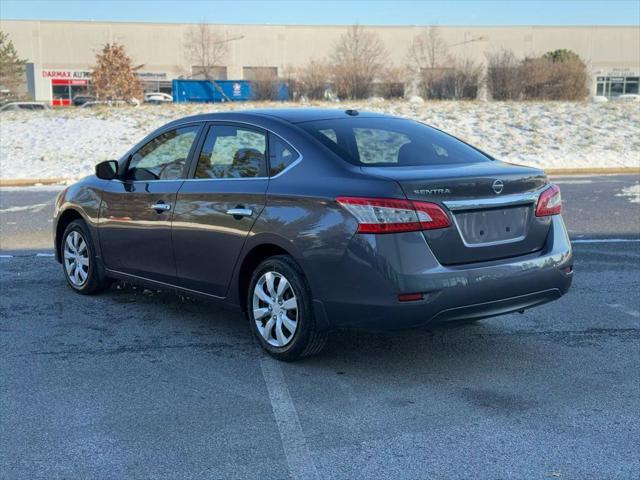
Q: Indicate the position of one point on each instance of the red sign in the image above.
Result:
(57, 81)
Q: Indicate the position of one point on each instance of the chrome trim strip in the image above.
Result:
(293, 164)
(213, 179)
(506, 201)
(260, 127)
(130, 182)
(161, 130)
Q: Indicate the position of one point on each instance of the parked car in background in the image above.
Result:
(80, 100)
(12, 106)
(157, 98)
(628, 97)
(312, 219)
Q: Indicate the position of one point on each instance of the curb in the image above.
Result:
(593, 171)
(29, 182)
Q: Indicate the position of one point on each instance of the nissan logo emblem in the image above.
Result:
(497, 186)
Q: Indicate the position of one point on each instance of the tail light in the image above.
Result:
(387, 215)
(550, 202)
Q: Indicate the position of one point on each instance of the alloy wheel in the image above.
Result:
(76, 259)
(275, 309)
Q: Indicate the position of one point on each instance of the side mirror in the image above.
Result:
(107, 170)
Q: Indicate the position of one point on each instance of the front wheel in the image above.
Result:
(79, 261)
(280, 310)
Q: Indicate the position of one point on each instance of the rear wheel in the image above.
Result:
(280, 310)
(79, 262)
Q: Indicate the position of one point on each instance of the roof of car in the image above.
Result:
(306, 114)
(291, 115)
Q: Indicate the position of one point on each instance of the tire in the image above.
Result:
(266, 289)
(81, 268)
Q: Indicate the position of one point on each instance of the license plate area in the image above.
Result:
(479, 228)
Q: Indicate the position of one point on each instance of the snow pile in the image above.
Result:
(67, 143)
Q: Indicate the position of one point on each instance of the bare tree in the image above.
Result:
(207, 48)
(429, 50)
(358, 57)
(431, 61)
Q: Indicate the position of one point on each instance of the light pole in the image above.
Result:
(215, 84)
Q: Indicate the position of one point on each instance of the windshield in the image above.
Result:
(391, 142)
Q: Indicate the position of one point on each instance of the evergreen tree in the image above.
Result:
(11, 66)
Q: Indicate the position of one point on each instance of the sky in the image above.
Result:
(371, 12)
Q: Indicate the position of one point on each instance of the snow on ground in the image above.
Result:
(67, 143)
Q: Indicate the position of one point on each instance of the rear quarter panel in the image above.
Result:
(302, 216)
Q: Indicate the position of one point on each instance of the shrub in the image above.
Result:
(568, 76)
(392, 81)
(440, 76)
(313, 80)
(504, 75)
(264, 85)
(558, 75)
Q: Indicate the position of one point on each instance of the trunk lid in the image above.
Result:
(491, 204)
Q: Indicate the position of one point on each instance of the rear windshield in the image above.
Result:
(391, 142)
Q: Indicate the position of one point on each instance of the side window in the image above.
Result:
(281, 155)
(330, 133)
(232, 152)
(379, 146)
(164, 157)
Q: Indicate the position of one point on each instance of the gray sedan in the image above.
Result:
(311, 220)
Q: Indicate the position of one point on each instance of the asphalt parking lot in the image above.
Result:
(142, 384)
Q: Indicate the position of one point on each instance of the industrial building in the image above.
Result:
(60, 54)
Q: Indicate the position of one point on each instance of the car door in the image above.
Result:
(217, 206)
(136, 210)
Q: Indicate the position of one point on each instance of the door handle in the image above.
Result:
(240, 212)
(161, 207)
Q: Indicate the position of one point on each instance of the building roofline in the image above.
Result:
(302, 25)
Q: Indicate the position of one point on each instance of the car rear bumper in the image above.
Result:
(376, 269)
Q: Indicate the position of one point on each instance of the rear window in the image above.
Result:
(391, 142)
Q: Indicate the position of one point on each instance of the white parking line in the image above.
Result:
(36, 208)
(572, 182)
(623, 309)
(294, 444)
